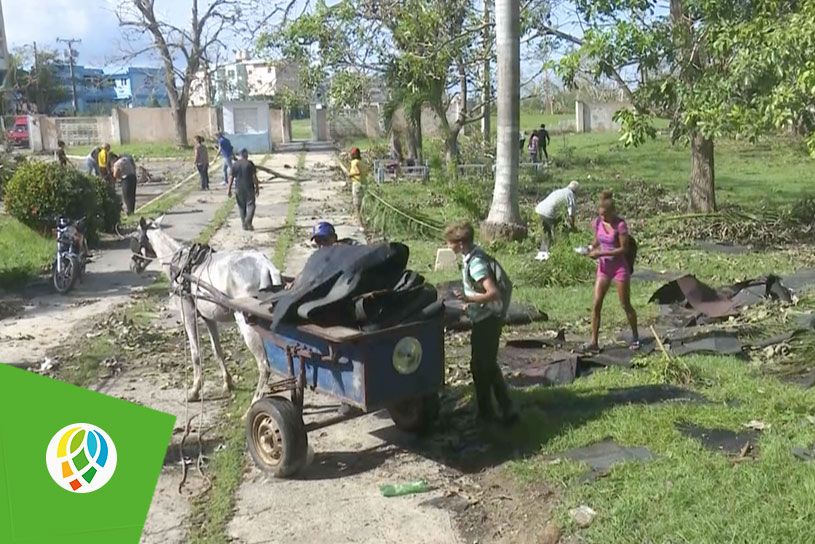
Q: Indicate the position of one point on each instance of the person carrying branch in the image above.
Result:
(356, 171)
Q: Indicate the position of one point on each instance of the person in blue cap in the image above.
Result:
(226, 151)
(324, 235)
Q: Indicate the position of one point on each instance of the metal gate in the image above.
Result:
(78, 130)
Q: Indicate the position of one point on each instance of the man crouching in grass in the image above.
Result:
(487, 294)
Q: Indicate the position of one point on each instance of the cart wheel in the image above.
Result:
(276, 436)
(416, 415)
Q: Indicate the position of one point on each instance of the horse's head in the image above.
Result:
(140, 246)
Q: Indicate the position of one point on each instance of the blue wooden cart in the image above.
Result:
(400, 369)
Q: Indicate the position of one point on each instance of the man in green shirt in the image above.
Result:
(487, 294)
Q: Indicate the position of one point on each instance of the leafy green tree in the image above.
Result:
(714, 67)
(35, 80)
(436, 53)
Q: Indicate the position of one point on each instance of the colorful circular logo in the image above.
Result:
(81, 458)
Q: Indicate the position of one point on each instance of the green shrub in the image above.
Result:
(110, 204)
(564, 267)
(8, 165)
(39, 192)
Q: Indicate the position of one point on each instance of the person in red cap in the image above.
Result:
(356, 171)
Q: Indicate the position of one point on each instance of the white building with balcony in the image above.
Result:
(244, 79)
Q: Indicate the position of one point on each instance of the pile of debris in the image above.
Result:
(695, 319)
(143, 175)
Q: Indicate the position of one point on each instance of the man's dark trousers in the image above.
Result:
(129, 193)
(487, 376)
(245, 198)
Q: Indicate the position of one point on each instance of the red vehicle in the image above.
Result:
(18, 135)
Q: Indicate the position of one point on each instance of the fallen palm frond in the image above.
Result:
(392, 220)
(732, 225)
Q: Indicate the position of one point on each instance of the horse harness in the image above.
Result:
(182, 265)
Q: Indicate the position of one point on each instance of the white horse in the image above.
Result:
(236, 274)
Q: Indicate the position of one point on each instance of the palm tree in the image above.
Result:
(504, 219)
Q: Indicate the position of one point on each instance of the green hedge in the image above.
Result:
(8, 165)
(39, 192)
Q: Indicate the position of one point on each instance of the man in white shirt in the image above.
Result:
(549, 210)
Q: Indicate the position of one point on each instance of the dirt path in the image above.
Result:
(164, 389)
(336, 498)
(45, 319)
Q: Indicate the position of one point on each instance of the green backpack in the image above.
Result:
(499, 276)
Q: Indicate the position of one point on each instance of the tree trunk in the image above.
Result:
(486, 86)
(701, 192)
(180, 119)
(417, 132)
(412, 144)
(504, 220)
(451, 146)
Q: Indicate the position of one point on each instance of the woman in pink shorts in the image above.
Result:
(609, 249)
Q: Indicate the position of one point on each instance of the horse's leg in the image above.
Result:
(255, 344)
(212, 328)
(188, 318)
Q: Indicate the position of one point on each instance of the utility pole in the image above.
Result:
(71, 43)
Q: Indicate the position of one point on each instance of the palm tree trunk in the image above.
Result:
(486, 90)
(504, 220)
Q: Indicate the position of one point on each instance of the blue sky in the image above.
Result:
(92, 21)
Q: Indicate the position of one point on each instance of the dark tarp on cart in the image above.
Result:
(365, 286)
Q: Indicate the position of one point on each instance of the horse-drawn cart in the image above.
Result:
(399, 368)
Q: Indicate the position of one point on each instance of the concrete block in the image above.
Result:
(445, 260)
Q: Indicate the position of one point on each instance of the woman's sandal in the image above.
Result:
(635, 345)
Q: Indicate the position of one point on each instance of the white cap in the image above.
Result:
(573, 185)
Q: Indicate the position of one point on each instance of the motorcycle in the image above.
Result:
(72, 254)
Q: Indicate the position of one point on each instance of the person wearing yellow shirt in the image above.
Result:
(356, 171)
(104, 161)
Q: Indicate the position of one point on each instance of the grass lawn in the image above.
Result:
(141, 150)
(301, 129)
(24, 254)
(686, 494)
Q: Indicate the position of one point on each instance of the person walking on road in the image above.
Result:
(202, 162)
(226, 151)
(487, 294)
(245, 177)
(124, 170)
(549, 210)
